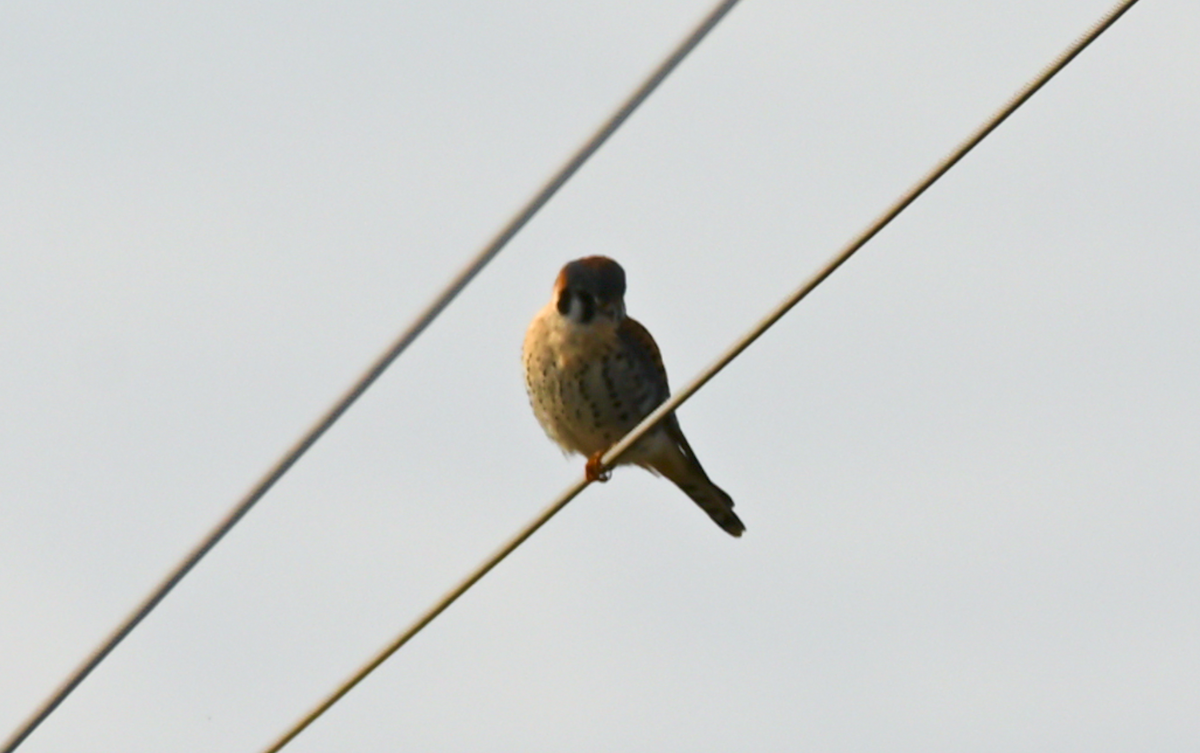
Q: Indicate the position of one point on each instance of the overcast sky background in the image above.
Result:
(968, 463)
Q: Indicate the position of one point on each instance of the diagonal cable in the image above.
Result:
(617, 450)
(493, 247)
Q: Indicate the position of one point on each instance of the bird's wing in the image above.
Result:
(645, 354)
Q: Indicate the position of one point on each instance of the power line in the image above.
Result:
(493, 247)
(676, 400)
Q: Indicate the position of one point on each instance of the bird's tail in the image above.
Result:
(714, 501)
(680, 466)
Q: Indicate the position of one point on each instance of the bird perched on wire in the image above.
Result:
(594, 373)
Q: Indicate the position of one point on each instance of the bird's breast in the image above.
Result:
(586, 389)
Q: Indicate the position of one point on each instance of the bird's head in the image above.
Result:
(591, 288)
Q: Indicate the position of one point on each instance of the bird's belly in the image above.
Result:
(586, 405)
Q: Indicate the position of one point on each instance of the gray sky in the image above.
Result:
(967, 463)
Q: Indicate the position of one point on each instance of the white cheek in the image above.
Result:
(574, 310)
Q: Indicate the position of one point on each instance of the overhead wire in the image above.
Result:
(422, 321)
(620, 448)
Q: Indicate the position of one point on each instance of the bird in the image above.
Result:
(593, 373)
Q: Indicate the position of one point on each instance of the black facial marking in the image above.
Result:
(587, 303)
(589, 306)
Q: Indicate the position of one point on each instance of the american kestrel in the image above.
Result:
(594, 373)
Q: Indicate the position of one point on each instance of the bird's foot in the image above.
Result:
(594, 470)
